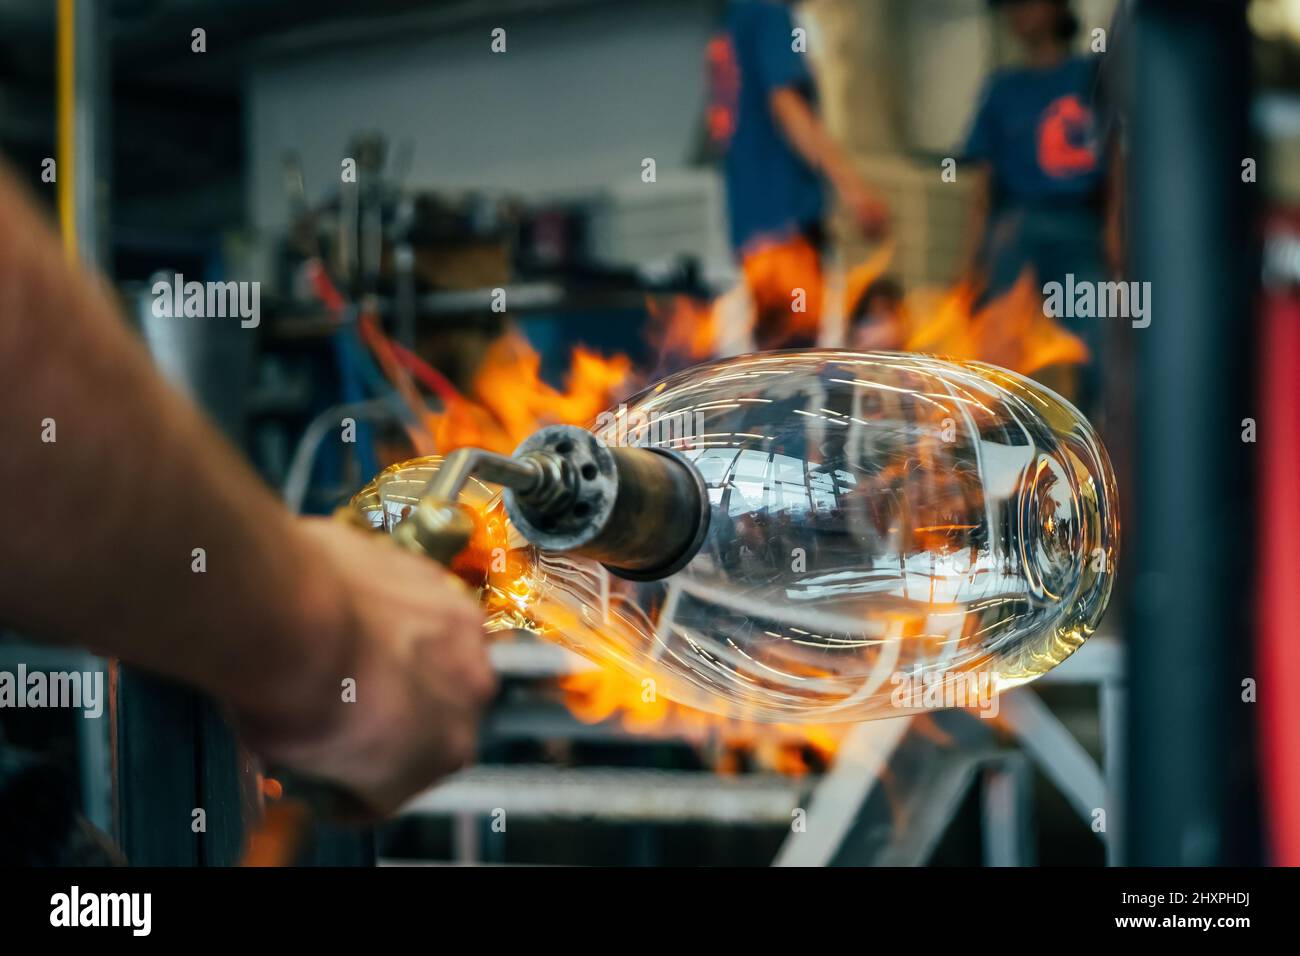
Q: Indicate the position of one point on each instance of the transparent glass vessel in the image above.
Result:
(889, 532)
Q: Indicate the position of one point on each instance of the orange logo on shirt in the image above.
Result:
(724, 90)
(1065, 138)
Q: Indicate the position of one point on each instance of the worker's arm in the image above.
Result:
(99, 528)
(977, 218)
(808, 136)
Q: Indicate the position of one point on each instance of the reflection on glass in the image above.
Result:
(889, 532)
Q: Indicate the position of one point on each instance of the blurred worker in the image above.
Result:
(877, 322)
(1044, 200)
(111, 479)
(762, 115)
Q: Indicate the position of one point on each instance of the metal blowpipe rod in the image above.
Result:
(642, 512)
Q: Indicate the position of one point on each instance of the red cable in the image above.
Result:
(323, 286)
(1279, 574)
(429, 376)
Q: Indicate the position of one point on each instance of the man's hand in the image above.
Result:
(419, 661)
(278, 613)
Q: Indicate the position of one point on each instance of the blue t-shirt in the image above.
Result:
(771, 191)
(1038, 130)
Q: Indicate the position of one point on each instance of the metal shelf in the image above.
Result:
(615, 795)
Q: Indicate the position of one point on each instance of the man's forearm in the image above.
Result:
(99, 526)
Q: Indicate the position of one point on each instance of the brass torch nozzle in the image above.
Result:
(642, 512)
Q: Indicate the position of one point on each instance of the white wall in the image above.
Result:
(573, 106)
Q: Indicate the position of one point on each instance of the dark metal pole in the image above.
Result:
(1190, 798)
(84, 176)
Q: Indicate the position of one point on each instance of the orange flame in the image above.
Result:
(1012, 331)
(601, 694)
(683, 329)
(508, 399)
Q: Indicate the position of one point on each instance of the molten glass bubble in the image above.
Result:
(889, 532)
